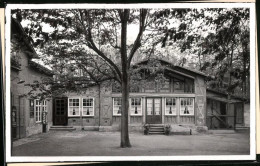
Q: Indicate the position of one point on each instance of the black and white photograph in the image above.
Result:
(104, 82)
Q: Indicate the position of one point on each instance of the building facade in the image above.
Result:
(27, 114)
(181, 100)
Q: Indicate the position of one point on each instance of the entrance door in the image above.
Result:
(60, 111)
(154, 110)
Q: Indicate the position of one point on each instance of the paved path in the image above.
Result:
(92, 143)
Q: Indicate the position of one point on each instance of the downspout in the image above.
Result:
(19, 104)
(99, 105)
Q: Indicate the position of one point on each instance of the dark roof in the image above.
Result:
(41, 68)
(20, 31)
(175, 67)
(224, 94)
(217, 91)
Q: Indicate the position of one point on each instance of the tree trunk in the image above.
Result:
(125, 142)
(244, 90)
(230, 65)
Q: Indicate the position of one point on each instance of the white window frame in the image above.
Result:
(44, 105)
(193, 112)
(78, 73)
(71, 115)
(38, 112)
(114, 106)
(141, 112)
(93, 106)
(166, 113)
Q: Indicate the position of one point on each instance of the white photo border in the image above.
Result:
(251, 156)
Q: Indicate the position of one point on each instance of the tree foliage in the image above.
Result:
(219, 38)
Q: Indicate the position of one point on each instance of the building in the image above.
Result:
(227, 112)
(182, 99)
(27, 114)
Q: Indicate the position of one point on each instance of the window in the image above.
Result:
(88, 106)
(73, 107)
(170, 106)
(44, 106)
(165, 86)
(136, 107)
(178, 85)
(38, 111)
(31, 106)
(78, 73)
(117, 103)
(187, 106)
(39, 107)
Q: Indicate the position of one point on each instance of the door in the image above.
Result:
(154, 110)
(60, 111)
(239, 113)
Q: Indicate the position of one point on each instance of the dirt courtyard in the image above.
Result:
(93, 143)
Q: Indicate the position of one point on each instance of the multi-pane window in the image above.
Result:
(187, 106)
(117, 106)
(88, 107)
(44, 106)
(136, 106)
(38, 111)
(73, 107)
(31, 106)
(78, 73)
(170, 106)
(44, 109)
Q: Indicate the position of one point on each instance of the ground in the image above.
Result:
(94, 143)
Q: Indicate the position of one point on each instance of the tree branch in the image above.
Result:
(137, 43)
(92, 45)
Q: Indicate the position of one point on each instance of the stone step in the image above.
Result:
(157, 132)
(160, 130)
(156, 125)
(221, 131)
(62, 128)
(242, 129)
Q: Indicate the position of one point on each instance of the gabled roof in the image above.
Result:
(175, 67)
(219, 95)
(20, 31)
(41, 68)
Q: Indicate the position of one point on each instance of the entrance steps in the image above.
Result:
(241, 129)
(62, 128)
(174, 129)
(156, 129)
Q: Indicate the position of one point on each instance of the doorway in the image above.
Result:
(60, 111)
(153, 110)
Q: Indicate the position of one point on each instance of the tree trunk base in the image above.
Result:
(125, 145)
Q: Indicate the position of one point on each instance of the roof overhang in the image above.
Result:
(179, 73)
(224, 100)
(32, 53)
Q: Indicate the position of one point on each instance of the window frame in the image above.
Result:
(193, 102)
(118, 105)
(39, 112)
(139, 114)
(69, 115)
(176, 105)
(82, 106)
(44, 106)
